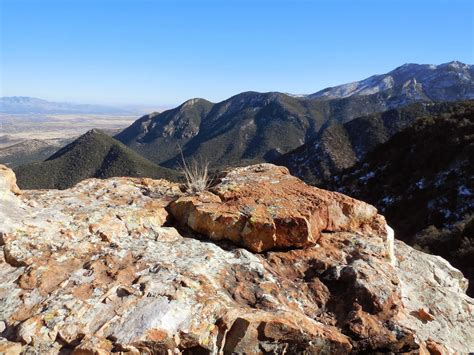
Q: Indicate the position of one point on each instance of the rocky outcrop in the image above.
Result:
(263, 207)
(104, 267)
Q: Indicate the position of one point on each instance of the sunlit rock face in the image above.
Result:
(263, 207)
(136, 265)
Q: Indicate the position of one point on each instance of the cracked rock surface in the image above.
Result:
(261, 263)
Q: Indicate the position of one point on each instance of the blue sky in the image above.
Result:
(163, 52)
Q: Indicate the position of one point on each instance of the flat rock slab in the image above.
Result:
(263, 207)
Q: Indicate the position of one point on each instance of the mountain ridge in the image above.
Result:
(402, 77)
(340, 146)
(421, 179)
(253, 127)
(92, 155)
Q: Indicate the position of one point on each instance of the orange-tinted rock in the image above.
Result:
(257, 332)
(9, 347)
(8, 181)
(101, 268)
(263, 207)
(436, 349)
(93, 346)
(424, 315)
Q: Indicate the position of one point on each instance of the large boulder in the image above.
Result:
(11, 206)
(103, 267)
(8, 181)
(263, 207)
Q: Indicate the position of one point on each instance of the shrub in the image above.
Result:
(196, 174)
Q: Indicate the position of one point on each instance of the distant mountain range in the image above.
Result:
(94, 154)
(255, 127)
(32, 105)
(316, 135)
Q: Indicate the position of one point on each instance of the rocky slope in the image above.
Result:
(136, 265)
(7, 140)
(30, 150)
(94, 154)
(340, 146)
(247, 127)
(422, 180)
(445, 82)
(256, 127)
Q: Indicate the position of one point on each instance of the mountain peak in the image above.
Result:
(94, 154)
(194, 101)
(436, 83)
(94, 131)
(456, 64)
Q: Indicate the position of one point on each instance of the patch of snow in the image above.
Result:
(367, 176)
(296, 95)
(440, 180)
(388, 200)
(464, 191)
(421, 184)
(446, 213)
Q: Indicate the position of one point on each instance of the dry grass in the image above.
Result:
(196, 174)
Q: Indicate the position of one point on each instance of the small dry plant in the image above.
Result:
(196, 174)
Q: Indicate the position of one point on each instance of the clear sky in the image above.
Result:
(163, 52)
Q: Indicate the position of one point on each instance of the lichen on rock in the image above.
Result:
(261, 263)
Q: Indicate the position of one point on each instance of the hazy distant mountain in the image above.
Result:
(255, 127)
(94, 154)
(7, 140)
(32, 105)
(445, 82)
(30, 150)
(339, 146)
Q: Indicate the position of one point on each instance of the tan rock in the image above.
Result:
(263, 207)
(431, 284)
(8, 180)
(102, 267)
(93, 346)
(9, 347)
(11, 206)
